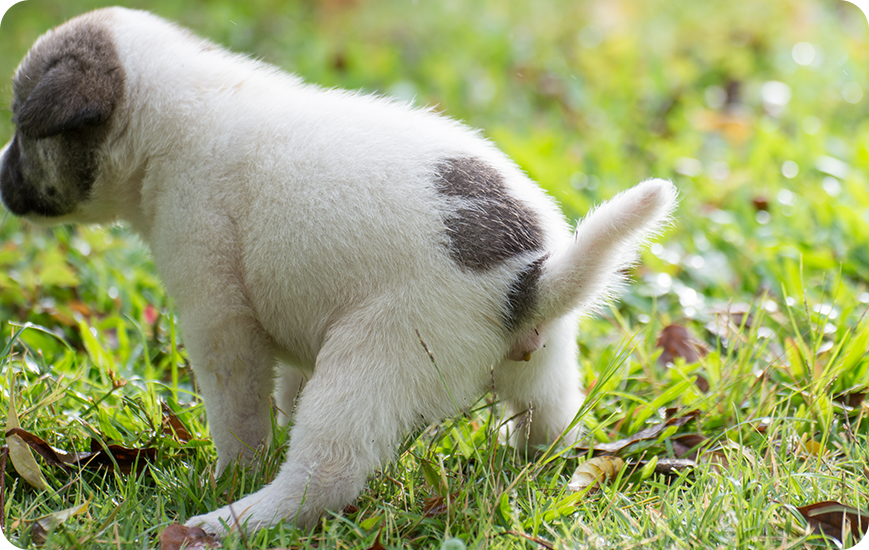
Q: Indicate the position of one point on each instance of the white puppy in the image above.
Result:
(316, 235)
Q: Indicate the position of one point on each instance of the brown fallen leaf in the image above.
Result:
(172, 425)
(761, 203)
(676, 341)
(44, 525)
(125, 457)
(591, 473)
(438, 505)
(52, 455)
(19, 453)
(651, 432)
(97, 457)
(808, 447)
(834, 519)
(851, 399)
(176, 536)
(377, 544)
(685, 443)
(674, 466)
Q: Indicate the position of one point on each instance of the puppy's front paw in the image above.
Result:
(211, 523)
(265, 508)
(235, 517)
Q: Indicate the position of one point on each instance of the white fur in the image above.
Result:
(300, 225)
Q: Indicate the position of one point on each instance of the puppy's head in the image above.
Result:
(65, 93)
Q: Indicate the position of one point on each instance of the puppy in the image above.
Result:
(316, 238)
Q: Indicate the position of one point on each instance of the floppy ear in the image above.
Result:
(65, 98)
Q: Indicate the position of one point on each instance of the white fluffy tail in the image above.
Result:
(586, 272)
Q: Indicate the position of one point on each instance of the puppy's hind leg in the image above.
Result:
(543, 393)
(351, 414)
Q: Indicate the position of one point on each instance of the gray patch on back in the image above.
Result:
(488, 225)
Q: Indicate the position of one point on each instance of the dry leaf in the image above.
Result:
(377, 545)
(676, 341)
(176, 536)
(651, 432)
(52, 455)
(438, 505)
(97, 457)
(125, 457)
(674, 466)
(44, 525)
(851, 399)
(22, 459)
(807, 446)
(172, 425)
(833, 519)
(683, 444)
(592, 472)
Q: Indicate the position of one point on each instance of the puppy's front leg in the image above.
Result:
(233, 362)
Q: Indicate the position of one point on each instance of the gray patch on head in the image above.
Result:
(487, 225)
(66, 90)
(522, 296)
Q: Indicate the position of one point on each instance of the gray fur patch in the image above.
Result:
(522, 296)
(66, 90)
(488, 225)
(71, 79)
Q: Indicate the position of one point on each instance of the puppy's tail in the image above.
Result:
(585, 273)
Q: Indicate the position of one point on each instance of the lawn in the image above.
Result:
(753, 398)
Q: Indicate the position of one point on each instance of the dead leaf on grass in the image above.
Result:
(834, 519)
(19, 453)
(125, 457)
(808, 447)
(44, 525)
(646, 434)
(97, 457)
(684, 444)
(676, 341)
(176, 536)
(735, 128)
(852, 399)
(591, 473)
(377, 544)
(438, 505)
(674, 466)
(172, 425)
(52, 455)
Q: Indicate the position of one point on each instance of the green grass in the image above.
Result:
(588, 98)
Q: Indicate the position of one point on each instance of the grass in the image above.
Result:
(767, 265)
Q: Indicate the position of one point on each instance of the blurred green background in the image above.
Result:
(756, 110)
